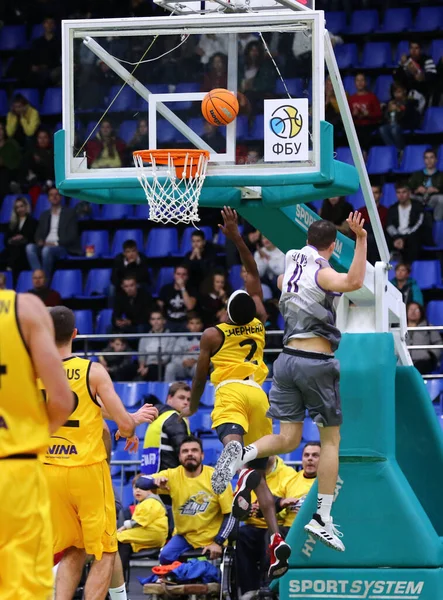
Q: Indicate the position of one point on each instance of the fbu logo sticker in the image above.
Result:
(286, 130)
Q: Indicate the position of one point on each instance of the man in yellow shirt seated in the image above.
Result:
(202, 519)
(289, 489)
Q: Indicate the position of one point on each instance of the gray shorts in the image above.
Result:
(306, 381)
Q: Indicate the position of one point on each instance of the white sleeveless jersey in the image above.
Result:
(308, 309)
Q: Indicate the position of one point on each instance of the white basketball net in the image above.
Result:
(171, 198)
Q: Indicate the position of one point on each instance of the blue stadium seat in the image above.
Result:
(349, 84)
(391, 272)
(207, 398)
(357, 200)
(7, 207)
(13, 37)
(97, 283)
(402, 48)
(242, 128)
(362, 22)
(159, 389)
(98, 239)
(140, 432)
(162, 241)
(389, 196)
(344, 155)
(382, 88)
(127, 492)
(36, 31)
(4, 104)
(52, 102)
(141, 211)
(8, 276)
(440, 159)
(103, 320)
(201, 422)
(43, 204)
(166, 132)
(125, 101)
(437, 234)
(127, 130)
(197, 124)
(186, 244)
(83, 322)
(396, 20)
(434, 312)
(165, 275)
(280, 322)
(381, 159)
(266, 386)
(335, 21)
(31, 94)
(24, 282)
(427, 273)
(310, 431)
(346, 55)
(294, 85)
(428, 18)
(436, 50)
(376, 55)
(412, 158)
(212, 448)
(154, 88)
(256, 130)
(181, 88)
(294, 456)
(121, 235)
(434, 387)
(67, 283)
(2, 242)
(235, 279)
(131, 394)
(433, 120)
(112, 425)
(114, 212)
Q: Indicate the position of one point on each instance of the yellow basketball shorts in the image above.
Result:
(243, 405)
(25, 531)
(82, 508)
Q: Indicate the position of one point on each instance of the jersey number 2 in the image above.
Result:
(252, 350)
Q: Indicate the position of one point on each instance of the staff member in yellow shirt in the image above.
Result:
(290, 490)
(202, 519)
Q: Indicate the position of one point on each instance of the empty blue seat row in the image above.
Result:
(427, 273)
(383, 159)
(434, 313)
(68, 283)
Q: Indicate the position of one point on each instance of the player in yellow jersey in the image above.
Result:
(27, 349)
(76, 468)
(235, 349)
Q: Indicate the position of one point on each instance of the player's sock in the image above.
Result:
(249, 453)
(118, 593)
(324, 505)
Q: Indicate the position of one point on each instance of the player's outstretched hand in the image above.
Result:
(131, 444)
(230, 223)
(146, 414)
(356, 224)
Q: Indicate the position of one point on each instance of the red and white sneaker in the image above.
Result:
(241, 505)
(280, 552)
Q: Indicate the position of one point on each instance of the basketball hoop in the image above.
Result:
(173, 192)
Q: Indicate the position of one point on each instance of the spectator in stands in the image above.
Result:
(405, 225)
(22, 121)
(200, 259)
(40, 160)
(270, 263)
(267, 292)
(132, 308)
(209, 45)
(21, 231)
(131, 262)
(256, 75)
(46, 57)
(10, 159)
(186, 350)
(373, 253)
(417, 71)
(56, 236)
(164, 437)
(407, 284)
(202, 519)
(400, 113)
(154, 352)
(214, 293)
(253, 156)
(424, 360)
(336, 210)
(332, 111)
(106, 150)
(213, 137)
(427, 184)
(216, 75)
(41, 289)
(177, 298)
(120, 368)
(366, 111)
(140, 139)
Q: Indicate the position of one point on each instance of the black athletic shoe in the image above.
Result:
(241, 506)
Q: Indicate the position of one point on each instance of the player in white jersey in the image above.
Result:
(306, 374)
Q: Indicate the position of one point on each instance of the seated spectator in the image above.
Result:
(256, 75)
(267, 292)
(106, 150)
(186, 351)
(417, 71)
(213, 137)
(40, 160)
(427, 184)
(209, 45)
(132, 308)
(56, 235)
(404, 226)
(373, 254)
(154, 352)
(46, 57)
(200, 259)
(407, 285)
(22, 121)
(131, 262)
(140, 139)
(270, 262)
(41, 289)
(10, 160)
(216, 75)
(332, 111)
(214, 293)
(120, 368)
(21, 231)
(336, 210)
(253, 156)
(399, 114)
(366, 111)
(425, 361)
(202, 519)
(177, 298)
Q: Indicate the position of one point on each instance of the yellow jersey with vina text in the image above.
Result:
(240, 355)
(79, 441)
(24, 423)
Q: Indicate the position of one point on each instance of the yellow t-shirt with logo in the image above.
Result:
(198, 512)
(241, 353)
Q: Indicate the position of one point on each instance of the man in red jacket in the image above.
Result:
(366, 111)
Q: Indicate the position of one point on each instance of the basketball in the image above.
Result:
(220, 107)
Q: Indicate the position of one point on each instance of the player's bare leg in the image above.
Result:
(69, 573)
(99, 578)
(118, 577)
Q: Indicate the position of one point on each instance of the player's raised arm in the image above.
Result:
(38, 332)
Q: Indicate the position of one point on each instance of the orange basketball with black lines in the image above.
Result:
(220, 107)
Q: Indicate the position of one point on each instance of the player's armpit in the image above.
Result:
(329, 280)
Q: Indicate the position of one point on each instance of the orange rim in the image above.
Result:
(179, 158)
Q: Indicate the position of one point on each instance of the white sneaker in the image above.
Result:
(327, 532)
(228, 464)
